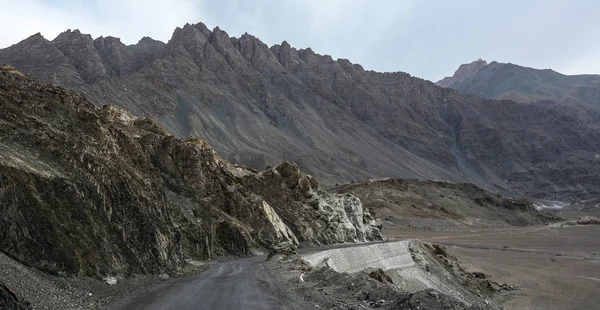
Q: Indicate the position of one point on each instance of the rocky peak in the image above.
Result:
(34, 39)
(33, 43)
(146, 50)
(190, 32)
(463, 72)
(74, 33)
(285, 45)
(148, 45)
(257, 53)
(40, 58)
(70, 38)
(80, 52)
(221, 42)
(286, 54)
(308, 55)
(114, 54)
(109, 42)
(148, 41)
(192, 39)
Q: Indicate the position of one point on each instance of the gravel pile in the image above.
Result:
(45, 291)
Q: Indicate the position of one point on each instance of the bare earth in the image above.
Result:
(555, 267)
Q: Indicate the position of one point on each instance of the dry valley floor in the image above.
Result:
(554, 266)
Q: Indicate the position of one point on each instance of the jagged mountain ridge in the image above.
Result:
(195, 99)
(87, 191)
(259, 105)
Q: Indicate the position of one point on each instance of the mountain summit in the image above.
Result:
(465, 71)
(261, 105)
(523, 84)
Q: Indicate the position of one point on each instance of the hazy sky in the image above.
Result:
(426, 38)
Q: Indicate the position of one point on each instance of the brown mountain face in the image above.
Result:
(260, 105)
(100, 192)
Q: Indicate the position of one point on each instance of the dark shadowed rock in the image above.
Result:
(380, 276)
(10, 300)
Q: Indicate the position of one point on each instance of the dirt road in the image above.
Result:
(236, 284)
(553, 267)
(239, 284)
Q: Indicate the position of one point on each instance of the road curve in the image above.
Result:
(239, 284)
(236, 284)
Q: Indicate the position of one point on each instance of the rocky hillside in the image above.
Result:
(260, 105)
(100, 192)
(401, 202)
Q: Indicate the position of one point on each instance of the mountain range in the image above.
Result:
(260, 105)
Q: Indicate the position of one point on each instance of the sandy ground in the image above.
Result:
(555, 267)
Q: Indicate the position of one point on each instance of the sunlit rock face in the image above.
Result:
(314, 215)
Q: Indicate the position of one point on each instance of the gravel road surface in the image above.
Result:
(239, 284)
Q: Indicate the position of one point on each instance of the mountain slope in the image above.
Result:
(402, 202)
(260, 105)
(247, 106)
(100, 192)
(522, 84)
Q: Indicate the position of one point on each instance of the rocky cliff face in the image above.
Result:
(100, 192)
(340, 218)
(261, 105)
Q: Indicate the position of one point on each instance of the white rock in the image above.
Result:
(110, 280)
(284, 233)
(194, 262)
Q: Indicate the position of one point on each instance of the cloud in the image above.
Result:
(428, 39)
